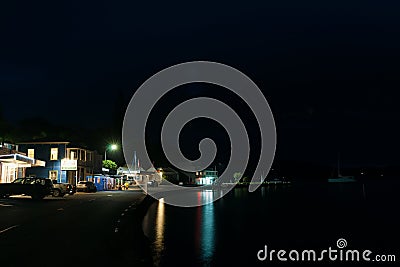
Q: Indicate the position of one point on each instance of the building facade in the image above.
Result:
(206, 177)
(13, 164)
(65, 163)
(139, 175)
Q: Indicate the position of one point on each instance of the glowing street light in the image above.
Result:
(112, 147)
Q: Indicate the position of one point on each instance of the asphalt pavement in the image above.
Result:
(85, 229)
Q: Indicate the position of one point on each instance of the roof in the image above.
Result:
(152, 169)
(22, 159)
(43, 142)
(46, 141)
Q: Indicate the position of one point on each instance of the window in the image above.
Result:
(54, 153)
(83, 155)
(40, 181)
(53, 175)
(18, 181)
(74, 154)
(31, 153)
(29, 181)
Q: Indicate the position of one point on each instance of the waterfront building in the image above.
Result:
(14, 164)
(206, 177)
(65, 162)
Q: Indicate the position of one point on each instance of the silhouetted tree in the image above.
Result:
(6, 129)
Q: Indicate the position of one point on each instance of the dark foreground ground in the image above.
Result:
(85, 229)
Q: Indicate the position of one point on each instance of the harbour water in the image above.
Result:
(230, 231)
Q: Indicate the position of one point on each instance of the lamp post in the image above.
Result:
(111, 147)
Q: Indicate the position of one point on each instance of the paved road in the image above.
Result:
(83, 229)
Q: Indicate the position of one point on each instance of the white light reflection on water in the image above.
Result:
(160, 223)
(206, 222)
(193, 231)
(154, 228)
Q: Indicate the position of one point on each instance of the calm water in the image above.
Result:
(230, 231)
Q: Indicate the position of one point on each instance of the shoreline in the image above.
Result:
(131, 246)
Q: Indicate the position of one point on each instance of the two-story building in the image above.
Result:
(65, 162)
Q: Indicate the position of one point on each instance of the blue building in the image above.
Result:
(64, 162)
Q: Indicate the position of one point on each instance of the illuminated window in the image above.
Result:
(31, 153)
(54, 154)
(53, 175)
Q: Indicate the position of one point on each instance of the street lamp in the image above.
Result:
(111, 147)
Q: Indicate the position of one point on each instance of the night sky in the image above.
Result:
(330, 70)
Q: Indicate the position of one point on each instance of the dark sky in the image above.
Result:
(329, 69)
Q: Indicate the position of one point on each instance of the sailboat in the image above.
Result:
(340, 178)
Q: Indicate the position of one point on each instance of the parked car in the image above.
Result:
(60, 189)
(152, 183)
(84, 186)
(36, 187)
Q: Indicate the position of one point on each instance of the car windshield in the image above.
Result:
(18, 181)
